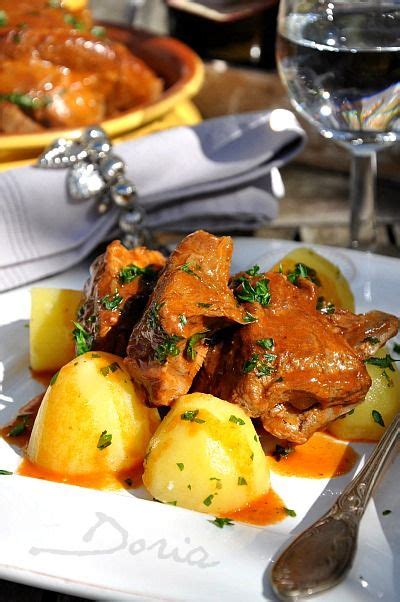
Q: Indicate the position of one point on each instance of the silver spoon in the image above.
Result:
(323, 554)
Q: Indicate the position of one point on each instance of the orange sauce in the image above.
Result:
(22, 423)
(128, 479)
(267, 510)
(43, 378)
(321, 457)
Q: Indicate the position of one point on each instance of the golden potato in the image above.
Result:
(333, 285)
(206, 456)
(383, 397)
(90, 400)
(52, 313)
(74, 5)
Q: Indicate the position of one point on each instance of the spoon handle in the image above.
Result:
(356, 495)
(322, 555)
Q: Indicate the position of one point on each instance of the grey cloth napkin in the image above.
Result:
(219, 175)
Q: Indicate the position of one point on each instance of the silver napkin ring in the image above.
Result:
(95, 173)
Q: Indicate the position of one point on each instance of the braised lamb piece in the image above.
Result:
(115, 297)
(190, 302)
(294, 366)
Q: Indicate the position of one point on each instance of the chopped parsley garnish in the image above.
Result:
(172, 503)
(5, 472)
(54, 3)
(218, 484)
(205, 305)
(371, 340)
(350, 413)
(261, 365)
(191, 416)
(192, 342)
(325, 307)
(186, 268)
(253, 271)
(242, 481)
(266, 343)
(111, 303)
(105, 440)
(237, 420)
(303, 271)
(256, 438)
(16, 37)
(252, 456)
(73, 21)
(259, 293)
(25, 101)
(180, 465)
(189, 487)
(20, 427)
(389, 381)
(222, 522)
(281, 452)
(249, 318)
(54, 378)
(167, 348)
(377, 416)
(3, 18)
(182, 320)
(382, 362)
(132, 271)
(290, 512)
(83, 339)
(106, 370)
(208, 500)
(386, 512)
(98, 31)
(95, 356)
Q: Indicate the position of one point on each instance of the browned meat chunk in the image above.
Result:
(116, 294)
(190, 302)
(366, 333)
(292, 366)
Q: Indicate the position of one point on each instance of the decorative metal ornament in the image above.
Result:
(111, 167)
(62, 153)
(95, 173)
(94, 132)
(123, 193)
(84, 181)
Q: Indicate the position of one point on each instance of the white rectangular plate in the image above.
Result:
(121, 546)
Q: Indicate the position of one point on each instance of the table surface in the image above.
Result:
(315, 208)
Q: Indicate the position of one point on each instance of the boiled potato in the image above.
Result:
(52, 313)
(91, 399)
(74, 5)
(206, 456)
(333, 285)
(383, 397)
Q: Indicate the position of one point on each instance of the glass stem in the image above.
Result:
(362, 198)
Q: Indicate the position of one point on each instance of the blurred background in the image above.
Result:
(236, 39)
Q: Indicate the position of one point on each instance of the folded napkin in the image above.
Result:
(219, 175)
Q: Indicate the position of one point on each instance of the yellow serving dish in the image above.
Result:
(180, 68)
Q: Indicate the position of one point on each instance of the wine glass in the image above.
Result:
(340, 61)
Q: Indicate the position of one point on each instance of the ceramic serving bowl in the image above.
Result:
(177, 65)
